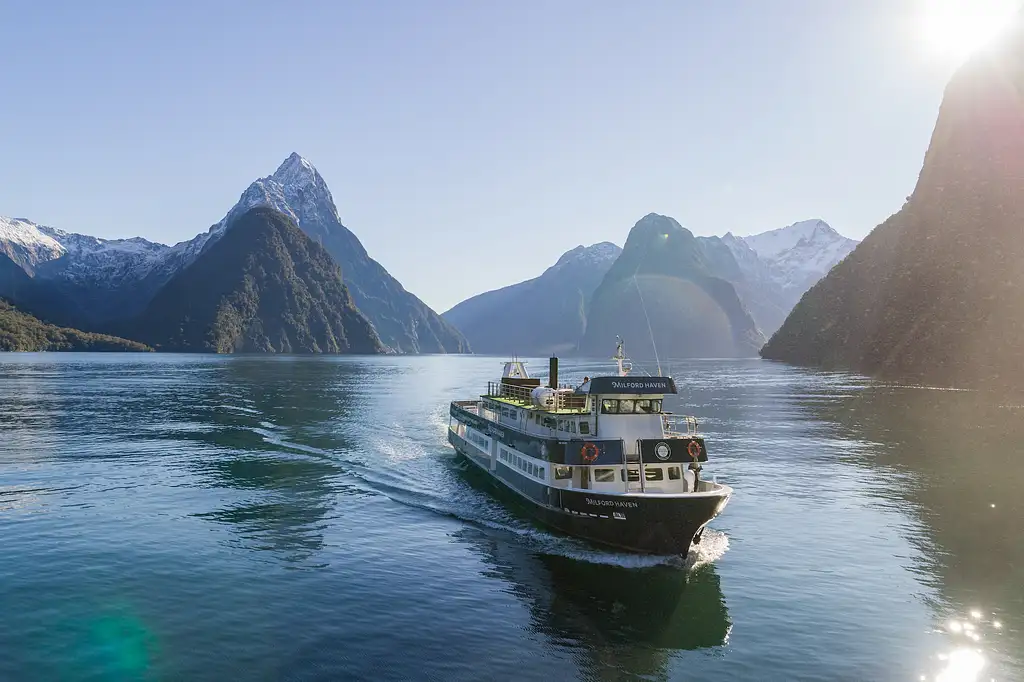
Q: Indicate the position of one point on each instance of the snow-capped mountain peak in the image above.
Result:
(296, 189)
(793, 257)
(773, 242)
(26, 244)
(602, 252)
(295, 171)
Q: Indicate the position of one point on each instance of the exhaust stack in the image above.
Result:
(553, 372)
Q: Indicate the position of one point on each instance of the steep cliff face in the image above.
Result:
(664, 275)
(936, 292)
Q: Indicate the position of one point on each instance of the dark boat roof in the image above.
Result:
(635, 385)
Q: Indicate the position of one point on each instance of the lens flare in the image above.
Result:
(958, 28)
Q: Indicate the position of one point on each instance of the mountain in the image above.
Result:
(22, 332)
(773, 269)
(90, 282)
(76, 279)
(261, 287)
(664, 275)
(404, 322)
(541, 316)
(801, 254)
(936, 292)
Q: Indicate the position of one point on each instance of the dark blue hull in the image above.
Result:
(649, 524)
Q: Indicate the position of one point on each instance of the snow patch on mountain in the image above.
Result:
(596, 254)
(772, 243)
(793, 257)
(24, 243)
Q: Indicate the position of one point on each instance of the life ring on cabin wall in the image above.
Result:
(693, 449)
(589, 452)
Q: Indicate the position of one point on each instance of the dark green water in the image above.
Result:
(217, 518)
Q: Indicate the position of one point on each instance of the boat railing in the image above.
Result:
(679, 425)
(524, 396)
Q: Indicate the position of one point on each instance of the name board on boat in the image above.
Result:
(635, 385)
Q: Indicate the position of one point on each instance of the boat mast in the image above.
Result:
(620, 358)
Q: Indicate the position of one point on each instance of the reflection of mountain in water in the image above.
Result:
(270, 431)
(627, 620)
(963, 453)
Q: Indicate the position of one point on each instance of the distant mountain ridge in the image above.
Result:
(93, 283)
(934, 294)
(541, 316)
(550, 313)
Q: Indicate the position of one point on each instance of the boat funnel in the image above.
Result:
(553, 372)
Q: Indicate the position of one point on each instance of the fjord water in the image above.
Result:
(263, 518)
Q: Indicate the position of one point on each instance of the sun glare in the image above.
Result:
(955, 29)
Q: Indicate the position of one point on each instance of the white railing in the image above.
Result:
(679, 424)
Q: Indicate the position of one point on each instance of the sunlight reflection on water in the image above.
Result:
(965, 662)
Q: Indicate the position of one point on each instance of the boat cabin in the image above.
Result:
(611, 431)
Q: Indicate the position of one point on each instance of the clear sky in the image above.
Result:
(469, 143)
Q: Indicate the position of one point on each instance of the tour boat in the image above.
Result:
(600, 461)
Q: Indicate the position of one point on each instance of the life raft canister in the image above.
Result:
(693, 449)
(589, 452)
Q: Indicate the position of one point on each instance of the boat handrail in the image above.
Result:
(674, 425)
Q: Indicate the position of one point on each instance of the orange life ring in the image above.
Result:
(589, 452)
(693, 449)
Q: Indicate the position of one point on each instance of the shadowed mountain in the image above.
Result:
(541, 316)
(22, 332)
(262, 287)
(664, 276)
(936, 292)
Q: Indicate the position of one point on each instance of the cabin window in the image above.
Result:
(572, 427)
(584, 427)
(549, 422)
(604, 475)
(561, 425)
(654, 474)
(643, 406)
(540, 472)
(673, 473)
(609, 407)
(626, 406)
(632, 474)
(655, 406)
(563, 473)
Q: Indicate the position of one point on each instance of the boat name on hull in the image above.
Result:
(612, 503)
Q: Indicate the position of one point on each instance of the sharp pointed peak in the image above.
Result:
(295, 169)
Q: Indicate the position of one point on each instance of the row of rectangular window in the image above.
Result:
(521, 463)
(630, 406)
(567, 425)
(650, 474)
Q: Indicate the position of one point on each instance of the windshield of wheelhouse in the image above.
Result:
(630, 418)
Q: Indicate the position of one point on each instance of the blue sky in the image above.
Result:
(468, 143)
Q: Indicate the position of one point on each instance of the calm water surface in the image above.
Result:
(221, 518)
